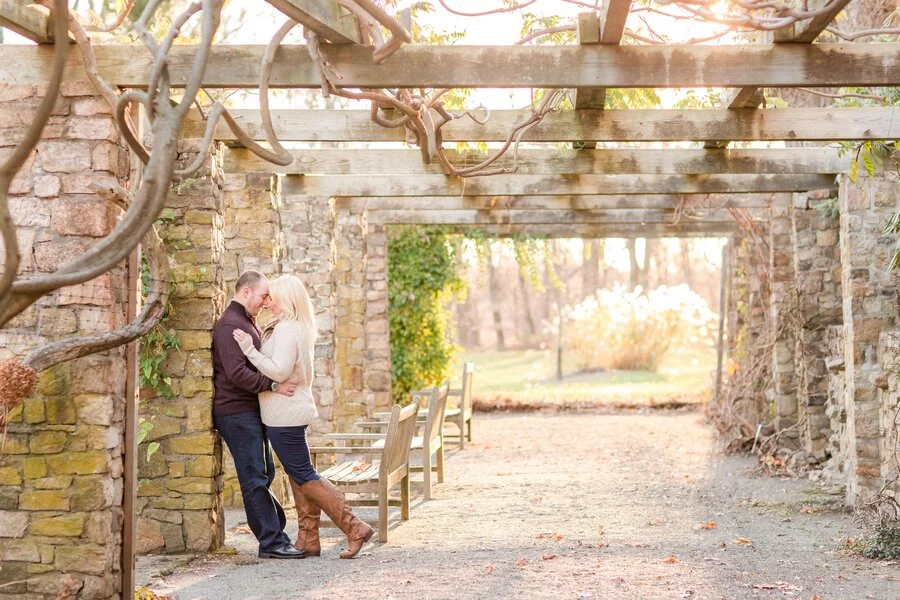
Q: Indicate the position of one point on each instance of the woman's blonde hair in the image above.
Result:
(290, 294)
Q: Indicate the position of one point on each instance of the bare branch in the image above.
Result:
(11, 166)
(120, 18)
(544, 32)
(881, 99)
(151, 313)
(855, 35)
(494, 11)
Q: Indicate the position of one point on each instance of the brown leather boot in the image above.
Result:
(323, 494)
(308, 522)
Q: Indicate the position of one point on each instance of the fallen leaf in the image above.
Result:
(360, 467)
(708, 525)
(810, 510)
(490, 569)
(543, 536)
(537, 499)
(559, 537)
(522, 563)
(670, 560)
(815, 597)
(740, 540)
(242, 529)
(657, 522)
(549, 556)
(503, 474)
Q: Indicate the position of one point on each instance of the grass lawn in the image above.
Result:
(528, 377)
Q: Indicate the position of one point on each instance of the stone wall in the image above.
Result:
(253, 240)
(179, 506)
(818, 282)
(309, 232)
(61, 467)
(378, 342)
(869, 308)
(889, 407)
(783, 300)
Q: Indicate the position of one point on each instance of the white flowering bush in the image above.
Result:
(633, 330)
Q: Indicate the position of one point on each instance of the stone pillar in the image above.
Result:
(889, 406)
(817, 263)
(783, 301)
(350, 315)
(62, 461)
(179, 504)
(308, 225)
(378, 343)
(869, 307)
(253, 240)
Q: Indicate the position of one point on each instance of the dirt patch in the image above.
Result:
(579, 505)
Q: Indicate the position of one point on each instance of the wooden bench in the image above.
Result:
(461, 414)
(375, 480)
(430, 441)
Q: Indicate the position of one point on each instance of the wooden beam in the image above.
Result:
(799, 32)
(605, 230)
(527, 185)
(327, 161)
(535, 217)
(692, 203)
(27, 19)
(613, 15)
(588, 32)
(795, 124)
(325, 17)
(600, 65)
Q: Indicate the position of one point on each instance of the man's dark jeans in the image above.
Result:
(245, 436)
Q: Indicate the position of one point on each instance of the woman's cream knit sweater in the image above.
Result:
(286, 354)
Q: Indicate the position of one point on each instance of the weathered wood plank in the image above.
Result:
(529, 185)
(331, 21)
(801, 32)
(795, 124)
(354, 161)
(588, 32)
(613, 15)
(692, 202)
(530, 217)
(606, 230)
(27, 19)
(600, 65)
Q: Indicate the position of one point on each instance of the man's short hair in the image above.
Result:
(250, 279)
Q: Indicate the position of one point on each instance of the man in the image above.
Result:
(236, 385)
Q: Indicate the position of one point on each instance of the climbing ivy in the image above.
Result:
(424, 269)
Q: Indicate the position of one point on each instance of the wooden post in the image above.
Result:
(723, 306)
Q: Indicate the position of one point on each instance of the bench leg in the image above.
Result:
(440, 463)
(404, 498)
(383, 516)
(462, 430)
(469, 422)
(426, 472)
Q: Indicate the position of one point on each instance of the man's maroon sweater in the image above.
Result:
(236, 382)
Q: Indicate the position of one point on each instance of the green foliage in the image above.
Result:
(155, 347)
(829, 208)
(532, 23)
(883, 543)
(142, 432)
(423, 274)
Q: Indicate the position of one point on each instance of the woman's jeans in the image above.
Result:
(293, 452)
(245, 436)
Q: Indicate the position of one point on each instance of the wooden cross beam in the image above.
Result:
(355, 161)
(690, 203)
(28, 20)
(798, 33)
(605, 230)
(821, 124)
(605, 28)
(501, 216)
(412, 66)
(330, 21)
(551, 185)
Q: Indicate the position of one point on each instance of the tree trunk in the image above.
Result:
(651, 257)
(493, 284)
(590, 269)
(687, 272)
(634, 275)
(526, 303)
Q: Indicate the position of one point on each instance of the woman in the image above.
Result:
(287, 353)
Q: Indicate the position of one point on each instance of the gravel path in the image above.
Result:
(573, 505)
